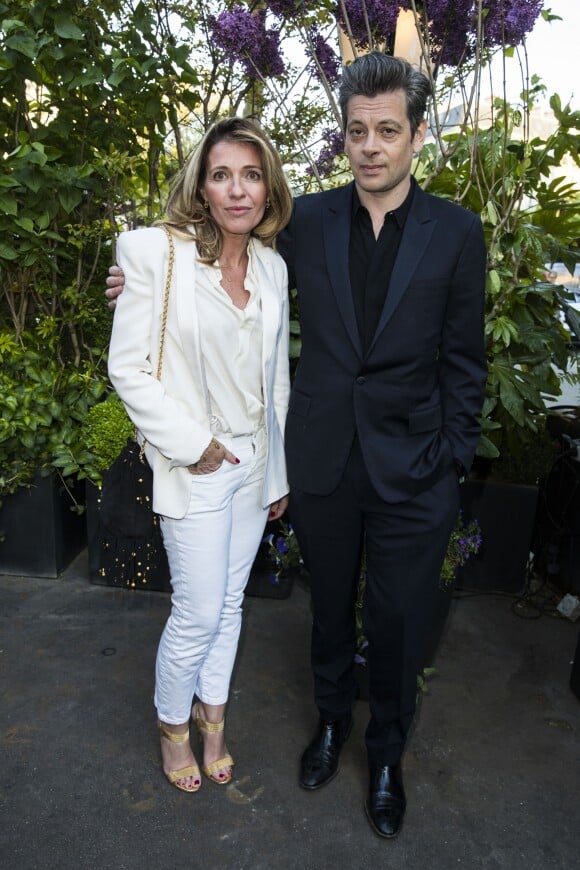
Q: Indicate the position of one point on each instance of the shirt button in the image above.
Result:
(361, 380)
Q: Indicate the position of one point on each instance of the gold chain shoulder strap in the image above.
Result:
(163, 318)
(165, 301)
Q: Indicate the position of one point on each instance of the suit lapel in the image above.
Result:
(183, 288)
(270, 302)
(336, 233)
(416, 235)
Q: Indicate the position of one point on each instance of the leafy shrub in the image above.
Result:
(42, 407)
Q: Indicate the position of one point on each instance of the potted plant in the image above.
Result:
(529, 212)
(277, 562)
(504, 494)
(104, 432)
(42, 406)
(69, 156)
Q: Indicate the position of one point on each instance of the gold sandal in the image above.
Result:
(191, 770)
(221, 763)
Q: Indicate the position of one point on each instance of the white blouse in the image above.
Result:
(232, 351)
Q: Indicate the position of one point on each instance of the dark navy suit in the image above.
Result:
(373, 440)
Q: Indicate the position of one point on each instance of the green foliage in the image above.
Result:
(283, 549)
(531, 217)
(527, 463)
(87, 104)
(464, 542)
(89, 95)
(42, 407)
(100, 105)
(422, 678)
(104, 433)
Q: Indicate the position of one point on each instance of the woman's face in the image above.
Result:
(234, 187)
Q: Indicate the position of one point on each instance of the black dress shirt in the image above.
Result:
(371, 261)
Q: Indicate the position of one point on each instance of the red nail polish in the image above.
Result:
(237, 461)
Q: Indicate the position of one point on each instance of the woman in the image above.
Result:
(214, 423)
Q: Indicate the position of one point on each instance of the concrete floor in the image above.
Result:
(492, 771)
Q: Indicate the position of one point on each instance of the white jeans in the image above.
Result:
(210, 553)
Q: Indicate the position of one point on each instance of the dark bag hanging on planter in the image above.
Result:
(132, 551)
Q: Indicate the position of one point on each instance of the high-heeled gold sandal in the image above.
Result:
(221, 763)
(191, 770)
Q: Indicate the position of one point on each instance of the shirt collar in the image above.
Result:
(399, 214)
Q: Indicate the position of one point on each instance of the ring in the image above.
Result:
(215, 444)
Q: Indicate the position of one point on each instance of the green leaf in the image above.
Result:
(69, 198)
(25, 224)
(487, 449)
(7, 252)
(25, 45)
(489, 213)
(493, 281)
(8, 205)
(66, 28)
(9, 24)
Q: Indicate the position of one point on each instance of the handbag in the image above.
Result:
(132, 552)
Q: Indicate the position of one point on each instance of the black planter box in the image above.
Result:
(558, 524)
(158, 580)
(41, 533)
(263, 583)
(506, 513)
(575, 674)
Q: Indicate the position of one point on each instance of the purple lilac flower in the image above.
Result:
(508, 21)
(327, 58)
(244, 37)
(333, 147)
(451, 28)
(382, 18)
(281, 545)
(286, 8)
(452, 25)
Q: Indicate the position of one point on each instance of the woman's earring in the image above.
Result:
(206, 205)
(268, 203)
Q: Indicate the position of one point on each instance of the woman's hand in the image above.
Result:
(212, 458)
(277, 508)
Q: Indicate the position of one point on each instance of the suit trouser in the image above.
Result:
(404, 545)
(210, 553)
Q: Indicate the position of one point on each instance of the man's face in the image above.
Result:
(378, 141)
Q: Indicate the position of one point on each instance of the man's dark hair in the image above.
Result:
(378, 73)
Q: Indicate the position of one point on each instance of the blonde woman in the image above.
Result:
(214, 423)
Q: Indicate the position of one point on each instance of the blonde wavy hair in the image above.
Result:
(186, 214)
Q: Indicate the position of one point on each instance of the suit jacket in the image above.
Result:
(413, 399)
(172, 414)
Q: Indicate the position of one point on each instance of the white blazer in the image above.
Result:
(172, 413)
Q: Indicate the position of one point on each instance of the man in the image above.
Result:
(382, 421)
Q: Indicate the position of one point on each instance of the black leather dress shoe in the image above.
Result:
(319, 763)
(386, 804)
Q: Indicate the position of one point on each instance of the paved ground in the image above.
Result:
(492, 772)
